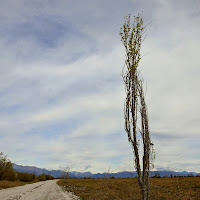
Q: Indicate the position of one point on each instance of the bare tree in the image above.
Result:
(65, 172)
(132, 38)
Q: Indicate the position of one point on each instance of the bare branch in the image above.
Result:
(132, 38)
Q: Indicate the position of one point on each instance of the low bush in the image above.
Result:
(44, 177)
(25, 177)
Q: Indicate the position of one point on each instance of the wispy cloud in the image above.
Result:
(61, 94)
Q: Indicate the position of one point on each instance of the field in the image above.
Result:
(7, 184)
(176, 188)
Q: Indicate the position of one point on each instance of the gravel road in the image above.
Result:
(44, 190)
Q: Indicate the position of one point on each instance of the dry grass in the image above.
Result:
(7, 184)
(177, 188)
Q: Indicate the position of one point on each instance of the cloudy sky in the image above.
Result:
(61, 93)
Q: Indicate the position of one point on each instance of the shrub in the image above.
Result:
(10, 175)
(41, 177)
(25, 177)
(6, 170)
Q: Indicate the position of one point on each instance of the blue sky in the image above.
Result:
(61, 93)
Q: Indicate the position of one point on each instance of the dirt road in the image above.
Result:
(44, 190)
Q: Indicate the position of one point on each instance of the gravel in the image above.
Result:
(43, 190)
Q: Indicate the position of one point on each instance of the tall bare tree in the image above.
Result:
(132, 38)
(65, 172)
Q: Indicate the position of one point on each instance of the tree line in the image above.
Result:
(8, 173)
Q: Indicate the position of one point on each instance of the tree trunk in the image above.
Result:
(144, 192)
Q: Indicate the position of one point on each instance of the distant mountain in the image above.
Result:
(80, 174)
(30, 169)
(56, 173)
(74, 174)
(37, 171)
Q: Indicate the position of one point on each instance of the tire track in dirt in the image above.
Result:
(47, 190)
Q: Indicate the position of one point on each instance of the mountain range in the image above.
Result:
(124, 174)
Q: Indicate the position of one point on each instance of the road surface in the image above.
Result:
(43, 190)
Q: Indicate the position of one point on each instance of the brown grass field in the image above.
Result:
(7, 184)
(176, 188)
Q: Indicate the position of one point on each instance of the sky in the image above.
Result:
(61, 90)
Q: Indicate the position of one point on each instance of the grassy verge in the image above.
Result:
(7, 184)
(183, 188)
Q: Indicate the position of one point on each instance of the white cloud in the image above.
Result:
(75, 84)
